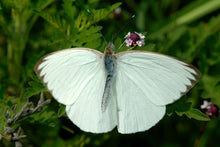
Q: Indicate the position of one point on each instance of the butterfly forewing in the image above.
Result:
(162, 79)
(66, 73)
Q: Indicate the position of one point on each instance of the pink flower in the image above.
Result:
(134, 39)
(210, 109)
(128, 42)
(205, 105)
(128, 35)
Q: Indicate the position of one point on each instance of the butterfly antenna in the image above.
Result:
(123, 27)
(113, 36)
(96, 25)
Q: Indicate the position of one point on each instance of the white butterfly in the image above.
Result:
(129, 90)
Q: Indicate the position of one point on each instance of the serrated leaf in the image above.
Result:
(54, 20)
(61, 110)
(84, 20)
(43, 3)
(86, 37)
(30, 92)
(36, 85)
(196, 114)
(69, 9)
(103, 13)
(179, 107)
(36, 88)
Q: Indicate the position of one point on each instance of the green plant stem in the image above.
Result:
(14, 59)
(198, 12)
(200, 134)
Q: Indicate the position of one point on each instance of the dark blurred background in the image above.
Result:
(187, 29)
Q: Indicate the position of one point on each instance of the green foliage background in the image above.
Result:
(189, 30)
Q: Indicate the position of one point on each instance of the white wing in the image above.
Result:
(87, 115)
(135, 112)
(145, 82)
(66, 73)
(162, 79)
(76, 77)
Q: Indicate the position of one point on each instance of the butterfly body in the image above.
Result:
(109, 62)
(129, 89)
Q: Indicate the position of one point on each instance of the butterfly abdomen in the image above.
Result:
(109, 66)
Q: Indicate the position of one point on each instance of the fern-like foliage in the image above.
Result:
(16, 21)
(75, 26)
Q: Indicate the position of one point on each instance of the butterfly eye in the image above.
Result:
(110, 46)
(111, 50)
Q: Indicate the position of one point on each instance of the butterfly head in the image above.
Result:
(110, 48)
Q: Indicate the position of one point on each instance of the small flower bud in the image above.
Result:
(134, 39)
(211, 110)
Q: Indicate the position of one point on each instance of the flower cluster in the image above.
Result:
(210, 109)
(134, 39)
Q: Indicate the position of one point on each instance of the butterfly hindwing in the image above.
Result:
(135, 112)
(86, 112)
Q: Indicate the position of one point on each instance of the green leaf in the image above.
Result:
(41, 4)
(69, 9)
(61, 110)
(181, 108)
(196, 114)
(96, 45)
(36, 88)
(103, 13)
(84, 20)
(88, 37)
(54, 20)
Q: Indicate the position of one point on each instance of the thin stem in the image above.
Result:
(120, 47)
(131, 48)
(25, 111)
(200, 134)
(192, 15)
(93, 19)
